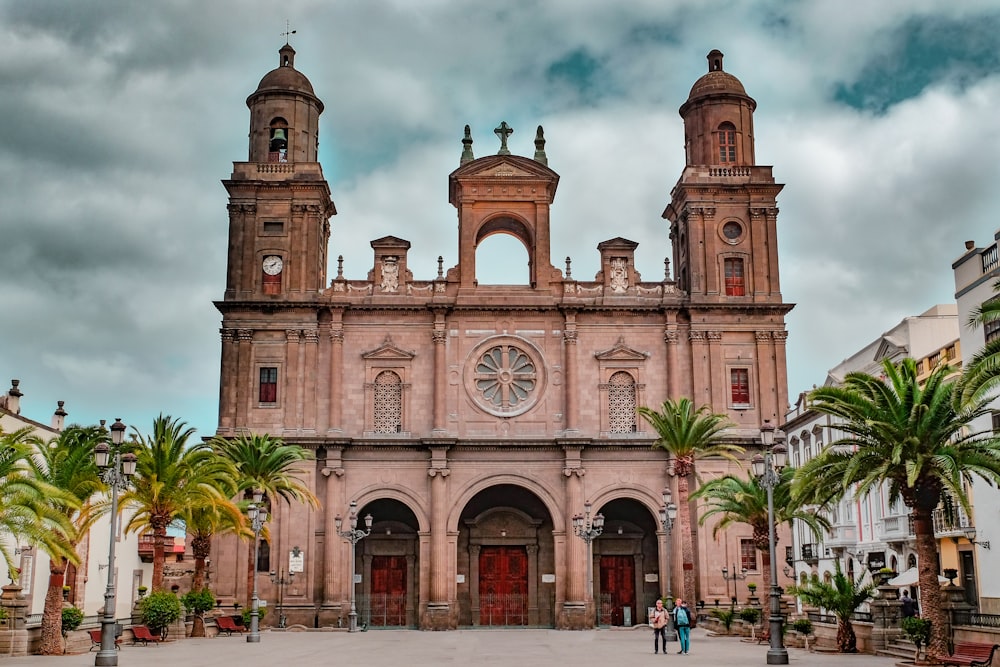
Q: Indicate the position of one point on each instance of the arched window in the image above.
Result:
(621, 403)
(278, 145)
(388, 403)
(727, 143)
(735, 281)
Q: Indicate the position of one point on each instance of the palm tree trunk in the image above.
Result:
(687, 544)
(159, 556)
(51, 638)
(847, 641)
(930, 590)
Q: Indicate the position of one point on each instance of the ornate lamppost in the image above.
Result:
(668, 512)
(353, 535)
(116, 469)
(279, 579)
(589, 529)
(257, 514)
(733, 576)
(767, 469)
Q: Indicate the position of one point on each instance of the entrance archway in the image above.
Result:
(505, 545)
(389, 562)
(626, 565)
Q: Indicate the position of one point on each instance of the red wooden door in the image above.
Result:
(503, 586)
(618, 589)
(388, 596)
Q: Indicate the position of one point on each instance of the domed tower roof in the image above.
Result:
(285, 78)
(717, 83)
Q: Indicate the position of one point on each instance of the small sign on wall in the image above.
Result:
(460, 579)
(357, 578)
(652, 578)
(296, 561)
(548, 578)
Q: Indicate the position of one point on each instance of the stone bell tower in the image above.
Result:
(279, 202)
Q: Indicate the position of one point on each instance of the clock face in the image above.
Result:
(272, 265)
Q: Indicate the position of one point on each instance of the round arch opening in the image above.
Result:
(388, 560)
(625, 563)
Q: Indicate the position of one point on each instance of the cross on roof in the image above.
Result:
(288, 32)
(503, 132)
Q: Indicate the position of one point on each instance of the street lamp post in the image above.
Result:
(257, 515)
(767, 469)
(116, 469)
(668, 512)
(726, 576)
(589, 529)
(353, 535)
(279, 579)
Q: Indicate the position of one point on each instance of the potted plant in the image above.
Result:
(918, 631)
(142, 590)
(72, 617)
(752, 587)
(4, 616)
(197, 602)
(158, 610)
(725, 617)
(65, 592)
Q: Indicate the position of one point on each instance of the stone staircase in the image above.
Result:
(898, 648)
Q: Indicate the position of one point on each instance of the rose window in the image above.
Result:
(505, 377)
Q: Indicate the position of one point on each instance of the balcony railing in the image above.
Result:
(951, 524)
(844, 535)
(810, 552)
(146, 547)
(896, 528)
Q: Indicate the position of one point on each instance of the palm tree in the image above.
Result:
(688, 434)
(172, 475)
(31, 509)
(268, 465)
(737, 500)
(841, 596)
(67, 463)
(911, 437)
(202, 523)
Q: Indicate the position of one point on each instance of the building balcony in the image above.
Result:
(841, 536)
(951, 524)
(897, 528)
(810, 553)
(146, 547)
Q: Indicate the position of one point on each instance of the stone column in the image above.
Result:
(229, 373)
(700, 365)
(575, 614)
(292, 400)
(769, 409)
(670, 338)
(438, 608)
(336, 375)
(440, 338)
(245, 382)
(885, 616)
(532, 584)
(333, 583)
(718, 383)
(309, 375)
(14, 639)
(474, 550)
(570, 419)
(780, 369)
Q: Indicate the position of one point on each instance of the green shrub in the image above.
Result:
(199, 601)
(750, 614)
(159, 609)
(803, 625)
(260, 615)
(72, 617)
(3, 614)
(725, 616)
(918, 630)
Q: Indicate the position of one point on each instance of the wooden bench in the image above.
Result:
(141, 633)
(95, 639)
(228, 625)
(972, 654)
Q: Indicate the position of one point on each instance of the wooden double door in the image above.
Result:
(387, 602)
(503, 585)
(618, 590)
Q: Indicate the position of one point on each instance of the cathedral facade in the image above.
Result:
(472, 422)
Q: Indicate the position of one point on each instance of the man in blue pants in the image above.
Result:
(682, 621)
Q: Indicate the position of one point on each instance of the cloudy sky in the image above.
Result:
(119, 119)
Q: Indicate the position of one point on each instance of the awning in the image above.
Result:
(909, 578)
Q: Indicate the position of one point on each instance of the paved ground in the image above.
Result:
(495, 648)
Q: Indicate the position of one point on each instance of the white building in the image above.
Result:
(88, 580)
(976, 271)
(867, 533)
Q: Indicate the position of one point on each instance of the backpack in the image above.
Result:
(681, 617)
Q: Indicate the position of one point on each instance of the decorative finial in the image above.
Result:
(666, 269)
(503, 132)
(288, 31)
(441, 259)
(540, 146)
(340, 267)
(569, 270)
(467, 155)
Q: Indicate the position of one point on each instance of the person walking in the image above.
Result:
(908, 606)
(682, 621)
(658, 618)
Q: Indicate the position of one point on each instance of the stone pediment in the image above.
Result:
(621, 352)
(391, 242)
(503, 166)
(889, 349)
(388, 350)
(617, 243)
